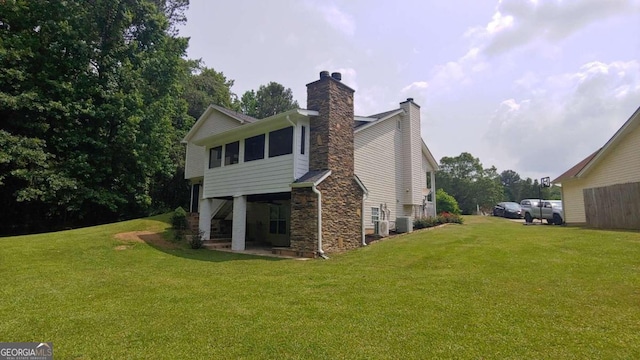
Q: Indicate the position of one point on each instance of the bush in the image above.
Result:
(447, 203)
(425, 222)
(179, 219)
(446, 217)
(442, 218)
(196, 240)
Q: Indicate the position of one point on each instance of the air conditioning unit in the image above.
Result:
(404, 224)
(382, 228)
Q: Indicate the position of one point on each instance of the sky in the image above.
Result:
(532, 86)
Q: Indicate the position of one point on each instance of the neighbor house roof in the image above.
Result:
(583, 167)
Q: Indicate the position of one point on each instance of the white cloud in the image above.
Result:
(517, 23)
(553, 130)
(417, 85)
(338, 19)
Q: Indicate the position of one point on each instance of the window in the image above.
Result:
(215, 157)
(281, 142)
(302, 141)
(375, 214)
(232, 153)
(430, 196)
(254, 148)
(277, 220)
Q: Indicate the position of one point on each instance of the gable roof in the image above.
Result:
(430, 158)
(582, 168)
(241, 118)
(377, 118)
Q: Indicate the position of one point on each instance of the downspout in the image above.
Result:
(365, 195)
(320, 251)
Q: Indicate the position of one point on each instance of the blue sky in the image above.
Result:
(528, 85)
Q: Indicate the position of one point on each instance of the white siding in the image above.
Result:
(254, 177)
(412, 149)
(378, 163)
(621, 165)
(196, 156)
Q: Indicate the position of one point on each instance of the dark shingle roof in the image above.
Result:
(312, 176)
(576, 168)
(235, 114)
(379, 116)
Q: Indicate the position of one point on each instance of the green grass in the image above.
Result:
(490, 288)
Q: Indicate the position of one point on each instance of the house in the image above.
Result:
(308, 181)
(603, 190)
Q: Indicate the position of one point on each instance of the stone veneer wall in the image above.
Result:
(341, 214)
(331, 147)
(304, 221)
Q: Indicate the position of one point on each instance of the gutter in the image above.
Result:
(365, 195)
(320, 251)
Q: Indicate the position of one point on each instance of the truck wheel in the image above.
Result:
(551, 221)
(528, 218)
(557, 219)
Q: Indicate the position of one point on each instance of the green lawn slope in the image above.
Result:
(490, 288)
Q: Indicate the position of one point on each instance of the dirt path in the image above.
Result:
(151, 238)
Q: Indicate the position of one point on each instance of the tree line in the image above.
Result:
(95, 96)
(474, 186)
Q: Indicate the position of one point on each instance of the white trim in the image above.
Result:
(615, 139)
(364, 118)
(202, 119)
(430, 158)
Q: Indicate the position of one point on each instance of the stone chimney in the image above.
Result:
(331, 132)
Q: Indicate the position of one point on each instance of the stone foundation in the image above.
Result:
(304, 220)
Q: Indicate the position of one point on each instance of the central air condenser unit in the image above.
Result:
(404, 224)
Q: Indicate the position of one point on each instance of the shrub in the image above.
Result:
(447, 203)
(179, 219)
(196, 240)
(446, 217)
(425, 222)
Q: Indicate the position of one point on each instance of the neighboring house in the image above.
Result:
(603, 190)
(308, 181)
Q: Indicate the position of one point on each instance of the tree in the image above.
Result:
(446, 203)
(511, 182)
(269, 100)
(206, 86)
(469, 183)
(93, 89)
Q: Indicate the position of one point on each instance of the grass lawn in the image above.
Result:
(490, 288)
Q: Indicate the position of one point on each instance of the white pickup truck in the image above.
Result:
(550, 210)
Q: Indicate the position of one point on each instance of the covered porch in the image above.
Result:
(247, 222)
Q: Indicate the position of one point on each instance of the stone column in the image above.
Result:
(239, 231)
(204, 224)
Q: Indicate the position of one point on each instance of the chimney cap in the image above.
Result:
(336, 76)
(324, 74)
(410, 99)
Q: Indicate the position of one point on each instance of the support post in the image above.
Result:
(204, 224)
(239, 231)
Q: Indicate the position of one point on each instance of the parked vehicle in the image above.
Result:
(550, 210)
(510, 210)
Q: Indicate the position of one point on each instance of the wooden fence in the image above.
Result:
(613, 207)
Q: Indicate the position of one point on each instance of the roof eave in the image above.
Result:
(371, 123)
(624, 129)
